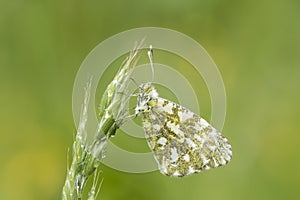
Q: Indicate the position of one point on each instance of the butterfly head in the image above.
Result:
(145, 98)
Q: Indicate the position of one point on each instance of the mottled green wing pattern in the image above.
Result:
(182, 142)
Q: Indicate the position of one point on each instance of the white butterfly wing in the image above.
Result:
(182, 142)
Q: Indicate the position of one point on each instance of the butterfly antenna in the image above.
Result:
(134, 81)
(150, 55)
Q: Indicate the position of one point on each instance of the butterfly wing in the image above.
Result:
(182, 142)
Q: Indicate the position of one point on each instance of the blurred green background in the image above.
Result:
(255, 44)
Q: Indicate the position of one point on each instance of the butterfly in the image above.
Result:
(182, 142)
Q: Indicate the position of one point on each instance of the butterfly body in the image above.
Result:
(182, 142)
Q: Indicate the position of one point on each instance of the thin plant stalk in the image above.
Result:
(86, 157)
